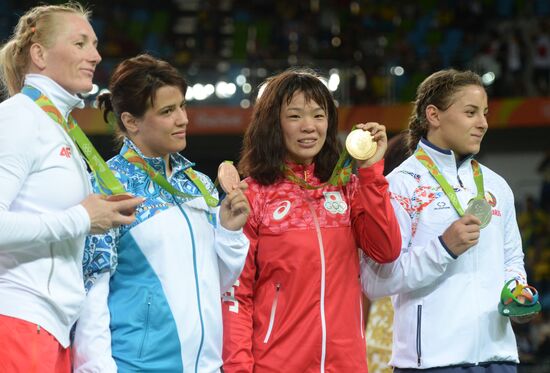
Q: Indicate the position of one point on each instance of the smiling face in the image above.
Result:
(304, 125)
(162, 129)
(463, 124)
(72, 58)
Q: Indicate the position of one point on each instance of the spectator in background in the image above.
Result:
(45, 204)
(541, 59)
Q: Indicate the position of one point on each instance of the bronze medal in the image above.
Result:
(481, 209)
(359, 144)
(228, 177)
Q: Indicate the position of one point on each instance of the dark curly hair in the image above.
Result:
(264, 152)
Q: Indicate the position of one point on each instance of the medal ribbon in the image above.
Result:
(107, 182)
(135, 159)
(340, 174)
(427, 162)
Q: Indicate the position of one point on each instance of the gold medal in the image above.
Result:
(481, 209)
(228, 176)
(360, 145)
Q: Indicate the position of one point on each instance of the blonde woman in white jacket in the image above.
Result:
(447, 281)
(46, 205)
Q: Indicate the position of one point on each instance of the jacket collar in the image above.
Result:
(64, 101)
(444, 158)
(177, 161)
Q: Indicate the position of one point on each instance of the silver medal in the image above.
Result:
(481, 209)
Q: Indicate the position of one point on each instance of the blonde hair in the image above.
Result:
(37, 25)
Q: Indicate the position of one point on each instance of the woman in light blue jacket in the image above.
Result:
(154, 287)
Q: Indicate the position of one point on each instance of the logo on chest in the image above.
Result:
(334, 203)
(281, 210)
(65, 152)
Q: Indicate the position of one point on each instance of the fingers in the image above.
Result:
(105, 214)
(123, 219)
(470, 220)
(127, 206)
(380, 137)
(377, 130)
(242, 186)
(462, 234)
(236, 200)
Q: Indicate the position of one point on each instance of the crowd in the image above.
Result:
(510, 40)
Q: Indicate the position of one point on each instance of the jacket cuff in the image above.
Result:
(446, 248)
(375, 170)
(81, 219)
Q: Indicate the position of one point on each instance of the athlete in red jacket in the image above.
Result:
(297, 304)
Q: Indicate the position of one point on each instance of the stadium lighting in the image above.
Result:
(488, 78)
(397, 70)
(225, 90)
(333, 80)
(240, 79)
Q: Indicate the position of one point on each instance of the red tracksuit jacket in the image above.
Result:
(297, 304)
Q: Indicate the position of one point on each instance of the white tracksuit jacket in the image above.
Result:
(43, 179)
(446, 307)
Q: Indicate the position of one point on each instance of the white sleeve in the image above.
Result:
(513, 252)
(232, 248)
(416, 267)
(21, 228)
(91, 347)
(16, 163)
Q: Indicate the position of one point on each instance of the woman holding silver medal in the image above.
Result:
(297, 304)
(461, 246)
(154, 286)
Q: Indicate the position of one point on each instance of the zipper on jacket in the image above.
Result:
(322, 295)
(197, 286)
(50, 275)
(146, 326)
(361, 316)
(419, 334)
(273, 311)
(476, 304)
(459, 180)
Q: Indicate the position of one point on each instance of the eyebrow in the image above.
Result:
(172, 105)
(300, 109)
(476, 107)
(86, 38)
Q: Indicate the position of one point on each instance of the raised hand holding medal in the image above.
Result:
(367, 143)
(234, 208)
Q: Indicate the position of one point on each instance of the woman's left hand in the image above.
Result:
(379, 136)
(234, 209)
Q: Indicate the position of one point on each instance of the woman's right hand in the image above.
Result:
(462, 234)
(106, 214)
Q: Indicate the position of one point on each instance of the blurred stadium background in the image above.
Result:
(374, 54)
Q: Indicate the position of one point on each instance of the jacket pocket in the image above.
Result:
(273, 312)
(146, 325)
(419, 334)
